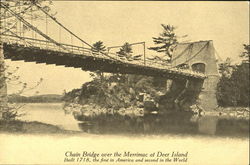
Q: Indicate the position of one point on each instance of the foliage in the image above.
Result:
(116, 91)
(98, 47)
(10, 111)
(27, 10)
(226, 68)
(246, 53)
(233, 87)
(69, 96)
(166, 41)
(125, 51)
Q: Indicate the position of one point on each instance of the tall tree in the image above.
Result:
(98, 47)
(233, 87)
(166, 41)
(125, 51)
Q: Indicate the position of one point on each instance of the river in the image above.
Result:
(209, 140)
(53, 113)
(50, 113)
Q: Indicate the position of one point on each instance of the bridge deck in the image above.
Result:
(79, 57)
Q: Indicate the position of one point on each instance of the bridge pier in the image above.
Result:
(3, 86)
(184, 93)
(207, 97)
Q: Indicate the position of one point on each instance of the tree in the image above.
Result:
(26, 9)
(233, 86)
(117, 91)
(9, 25)
(226, 68)
(166, 41)
(125, 51)
(246, 53)
(98, 47)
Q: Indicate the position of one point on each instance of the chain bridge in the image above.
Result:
(17, 44)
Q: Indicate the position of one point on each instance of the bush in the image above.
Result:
(233, 90)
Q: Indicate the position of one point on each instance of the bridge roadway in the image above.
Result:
(40, 51)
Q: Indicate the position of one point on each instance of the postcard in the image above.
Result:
(124, 82)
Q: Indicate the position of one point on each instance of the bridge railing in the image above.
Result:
(44, 44)
(77, 50)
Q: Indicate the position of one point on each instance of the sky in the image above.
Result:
(114, 23)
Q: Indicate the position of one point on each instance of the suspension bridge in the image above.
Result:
(18, 46)
(193, 66)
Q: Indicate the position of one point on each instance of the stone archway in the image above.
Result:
(199, 67)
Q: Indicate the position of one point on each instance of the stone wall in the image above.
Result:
(207, 97)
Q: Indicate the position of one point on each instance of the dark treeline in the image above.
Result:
(52, 98)
(233, 87)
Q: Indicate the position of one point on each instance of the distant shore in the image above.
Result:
(49, 98)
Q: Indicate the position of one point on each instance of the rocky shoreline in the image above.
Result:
(239, 112)
(87, 111)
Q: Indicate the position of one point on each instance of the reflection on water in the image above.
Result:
(152, 124)
(181, 123)
(50, 113)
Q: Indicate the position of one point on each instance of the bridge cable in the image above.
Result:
(71, 38)
(190, 52)
(32, 32)
(20, 23)
(206, 45)
(54, 19)
(219, 57)
(60, 34)
(32, 27)
(4, 23)
(7, 30)
(22, 38)
(22, 12)
(182, 53)
(46, 22)
(16, 23)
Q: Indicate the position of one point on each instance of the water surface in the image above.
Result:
(50, 113)
(151, 124)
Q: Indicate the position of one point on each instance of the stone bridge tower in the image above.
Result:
(200, 56)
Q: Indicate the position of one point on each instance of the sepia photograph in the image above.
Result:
(124, 82)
